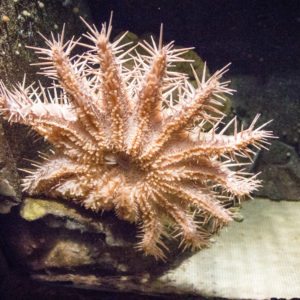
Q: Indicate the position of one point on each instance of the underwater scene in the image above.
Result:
(149, 149)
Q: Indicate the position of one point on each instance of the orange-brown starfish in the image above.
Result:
(121, 142)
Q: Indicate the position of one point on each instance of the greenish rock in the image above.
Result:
(238, 217)
(128, 37)
(61, 214)
(236, 213)
(32, 211)
(195, 61)
(183, 67)
(198, 65)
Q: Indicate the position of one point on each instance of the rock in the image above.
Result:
(10, 194)
(280, 167)
(237, 256)
(197, 63)
(59, 214)
(230, 269)
(276, 98)
(20, 286)
(191, 57)
(23, 21)
(57, 235)
(236, 213)
(26, 19)
(18, 29)
(183, 67)
(58, 241)
(129, 38)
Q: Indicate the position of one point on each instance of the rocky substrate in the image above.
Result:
(276, 98)
(280, 172)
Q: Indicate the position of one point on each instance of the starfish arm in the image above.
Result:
(71, 140)
(27, 105)
(205, 202)
(222, 145)
(212, 144)
(203, 100)
(57, 65)
(191, 235)
(49, 175)
(151, 228)
(148, 107)
(49, 115)
(237, 184)
(126, 202)
(111, 83)
(218, 173)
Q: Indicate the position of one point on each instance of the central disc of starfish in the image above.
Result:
(124, 162)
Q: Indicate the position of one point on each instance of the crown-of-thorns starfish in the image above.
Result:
(121, 142)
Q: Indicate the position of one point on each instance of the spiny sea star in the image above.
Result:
(121, 142)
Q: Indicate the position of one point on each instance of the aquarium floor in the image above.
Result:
(256, 259)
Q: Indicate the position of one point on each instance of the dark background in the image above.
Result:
(256, 36)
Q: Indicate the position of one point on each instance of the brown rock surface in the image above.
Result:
(10, 194)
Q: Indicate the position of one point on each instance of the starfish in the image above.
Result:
(133, 139)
